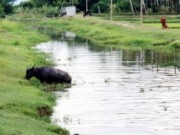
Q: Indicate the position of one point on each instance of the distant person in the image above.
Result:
(163, 22)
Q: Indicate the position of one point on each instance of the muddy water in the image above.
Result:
(116, 92)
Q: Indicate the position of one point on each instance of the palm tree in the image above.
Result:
(132, 10)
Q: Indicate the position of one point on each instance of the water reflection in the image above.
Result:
(116, 92)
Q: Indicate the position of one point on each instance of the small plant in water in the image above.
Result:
(107, 80)
(165, 108)
(67, 119)
(141, 90)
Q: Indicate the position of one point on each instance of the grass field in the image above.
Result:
(146, 18)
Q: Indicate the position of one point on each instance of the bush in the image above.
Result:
(8, 9)
(163, 10)
(103, 7)
(27, 4)
(2, 16)
(51, 12)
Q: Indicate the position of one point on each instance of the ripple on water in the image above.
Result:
(116, 92)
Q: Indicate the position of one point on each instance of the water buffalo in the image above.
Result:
(48, 75)
(81, 6)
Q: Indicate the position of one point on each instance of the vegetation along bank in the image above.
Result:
(24, 108)
(116, 34)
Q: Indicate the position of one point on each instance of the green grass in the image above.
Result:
(158, 25)
(136, 18)
(116, 34)
(20, 99)
(122, 32)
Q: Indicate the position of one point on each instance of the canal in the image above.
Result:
(116, 92)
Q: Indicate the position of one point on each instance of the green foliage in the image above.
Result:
(1, 9)
(176, 44)
(40, 3)
(163, 10)
(119, 6)
(6, 6)
(27, 4)
(104, 7)
(51, 12)
(124, 5)
(116, 34)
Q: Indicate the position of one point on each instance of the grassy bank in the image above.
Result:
(117, 34)
(21, 101)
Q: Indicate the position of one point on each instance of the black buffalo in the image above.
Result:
(81, 6)
(48, 75)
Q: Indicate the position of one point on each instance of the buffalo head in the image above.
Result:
(67, 78)
(29, 73)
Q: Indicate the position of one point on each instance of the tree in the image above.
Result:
(27, 4)
(40, 3)
(132, 9)
(102, 6)
(153, 6)
(6, 6)
(81, 4)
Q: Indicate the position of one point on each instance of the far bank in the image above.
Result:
(114, 34)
